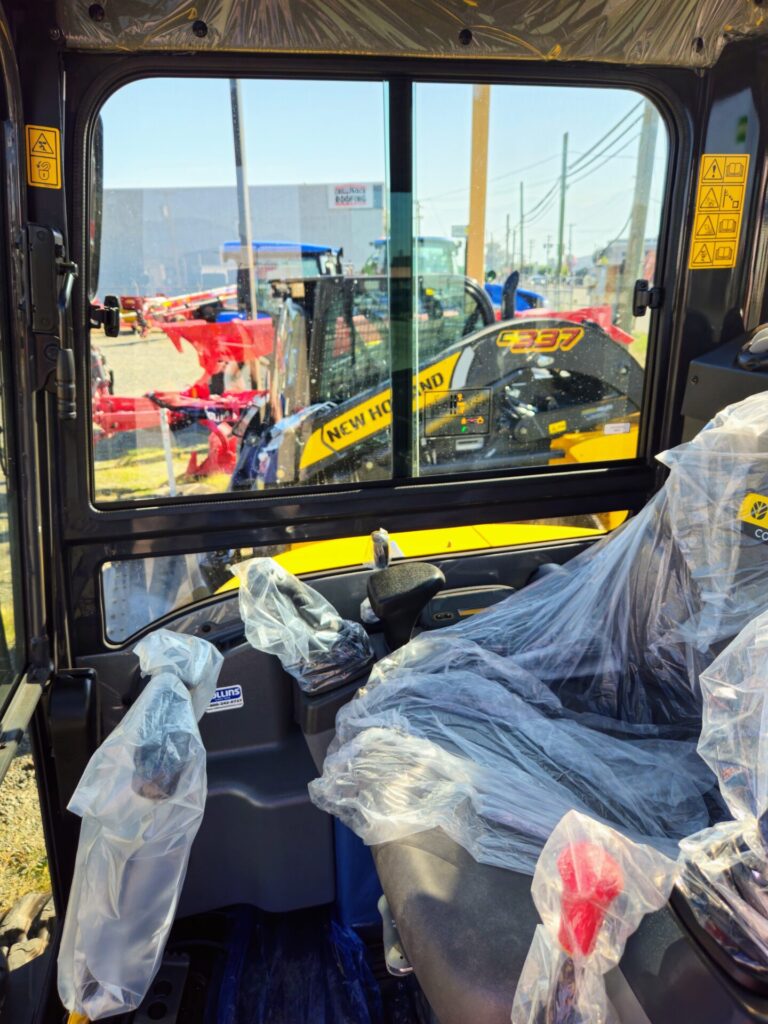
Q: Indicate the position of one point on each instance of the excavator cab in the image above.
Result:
(338, 575)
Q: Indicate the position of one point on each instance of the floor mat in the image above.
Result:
(304, 968)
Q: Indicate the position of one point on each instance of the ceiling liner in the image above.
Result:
(687, 33)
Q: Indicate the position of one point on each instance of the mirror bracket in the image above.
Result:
(106, 316)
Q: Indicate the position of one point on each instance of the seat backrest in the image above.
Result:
(625, 631)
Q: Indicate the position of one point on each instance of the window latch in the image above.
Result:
(645, 297)
(106, 316)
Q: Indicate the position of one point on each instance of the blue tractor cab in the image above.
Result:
(524, 297)
(288, 259)
(276, 260)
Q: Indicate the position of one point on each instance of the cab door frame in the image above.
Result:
(23, 428)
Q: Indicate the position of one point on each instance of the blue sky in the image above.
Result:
(177, 132)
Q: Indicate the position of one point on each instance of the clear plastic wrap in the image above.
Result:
(579, 691)
(285, 617)
(141, 799)
(592, 887)
(725, 868)
(655, 32)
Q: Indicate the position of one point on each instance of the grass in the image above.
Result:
(30, 871)
(142, 473)
(639, 347)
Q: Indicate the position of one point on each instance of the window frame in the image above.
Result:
(94, 533)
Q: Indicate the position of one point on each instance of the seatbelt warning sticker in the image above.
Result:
(226, 698)
(43, 156)
(719, 209)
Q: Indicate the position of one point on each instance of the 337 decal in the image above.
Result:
(548, 339)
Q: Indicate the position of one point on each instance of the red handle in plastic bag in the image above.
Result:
(592, 880)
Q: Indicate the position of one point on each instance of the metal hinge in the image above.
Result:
(644, 297)
(41, 663)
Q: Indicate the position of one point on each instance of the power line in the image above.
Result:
(575, 166)
(578, 170)
(621, 231)
(498, 177)
(529, 167)
(601, 140)
(545, 204)
(539, 210)
(584, 171)
(612, 156)
(543, 199)
(630, 126)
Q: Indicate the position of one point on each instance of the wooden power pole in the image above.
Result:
(636, 243)
(478, 182)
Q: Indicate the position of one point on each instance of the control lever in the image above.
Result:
(592, 880)
(399, 593)
(381, 552)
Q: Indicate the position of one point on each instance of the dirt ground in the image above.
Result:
(132, 464)
(23, 859)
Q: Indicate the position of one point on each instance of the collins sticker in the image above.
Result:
(550, 339)
(226, 698)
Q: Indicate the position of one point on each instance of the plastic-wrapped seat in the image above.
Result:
(725, 868)
(578, 692)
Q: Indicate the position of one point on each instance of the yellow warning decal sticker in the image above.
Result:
(754, 511)
(559, 427)
(43, 156)
(551, 339)
(719, 209)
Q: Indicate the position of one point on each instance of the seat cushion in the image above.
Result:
(465, 927)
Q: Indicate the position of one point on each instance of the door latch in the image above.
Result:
(645, 297)
(50, 278)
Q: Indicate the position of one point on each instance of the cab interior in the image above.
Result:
(147, 453)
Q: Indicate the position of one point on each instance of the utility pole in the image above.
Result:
(522, 228)
(548, 248)
(478, 181)
(636, 244)
(530, 252)
(513, 250)
(506, 245)
(243, 198)
(561, 221)
(245, 265)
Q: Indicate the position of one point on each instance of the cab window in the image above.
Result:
(261, 285)
(138, 592)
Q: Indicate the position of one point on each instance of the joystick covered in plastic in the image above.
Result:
(592, 880)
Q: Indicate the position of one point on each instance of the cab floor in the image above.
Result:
(243, 966)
